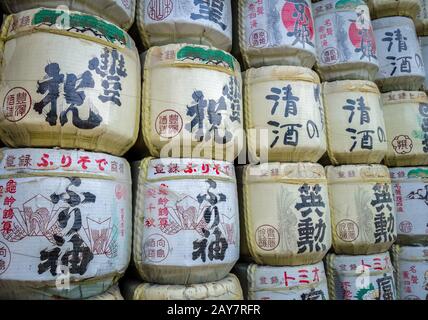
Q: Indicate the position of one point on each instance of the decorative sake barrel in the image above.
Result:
(410, 191)
(283, 106)
(120, 12)
(346, 46)
(281, 204)
(186, 227)
(276, 33)
(406, 119)
(161, 22)
(400, 58)
(388, 8)
(201, 114)
(306, 282)
(368, 277)
(85, 94)
(66, 222)
(422, 19)
(228, 288)
(362, 209)
(411, 264)
(424, 49)
(355, 125)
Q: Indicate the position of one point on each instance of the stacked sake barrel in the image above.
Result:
(359, 187)
(186, 223)
(285, 215)
(70, 110)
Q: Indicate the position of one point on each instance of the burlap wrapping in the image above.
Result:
(280, 203)
(362, 209)
(405, 113)
(277, 96)
(355, 126)
(388, 8)
(227, 288)
(78, 86)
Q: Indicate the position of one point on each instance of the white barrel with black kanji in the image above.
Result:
(78, 86)
(411, 265)
(354, 118)
(346, 46)
(367, 277)
(162, 22)
(362, 209)
(119, 12)
(276, 33)
(285, 217)
(186, 220)
(65, 223)
(303, 282)
(401, 66)
(410, 191)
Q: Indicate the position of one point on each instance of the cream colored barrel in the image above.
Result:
(66, 222)
(368, 277)
(400, 58)
(346, 46)
(227, 288)
(307, 282)
(410, 191)
(362, 209)
(424, 49)
(355, 126)
(78, 86)
(280, 204)
(119, 12)
(199, 116)
(186, 223)
(276, 33)
(406, 113)
(284, 115)
(388, 8)
(422, 19)
(411, 264)
(161, 22)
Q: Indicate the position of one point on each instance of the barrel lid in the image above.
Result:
(68, 23)
(413, 253)
(390, 22)
(395, 97)
(358, 264)
(186, 168)
(191, 55)
(283, 172)
(350, 86)
(331, 6)
(27, 162)
(358, 173)
(281, 73)
(406, 173)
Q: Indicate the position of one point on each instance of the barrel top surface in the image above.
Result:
(375, 262)
(366, 172)
(350, 86)
(290, 73)
(331, 6)
(392, 22)
(406, 173)
(61, 162)
(395, 97)
(413, 253)
(68, 23)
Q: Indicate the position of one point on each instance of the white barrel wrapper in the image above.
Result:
(368, 277)
(276, 32)
(66, 219)
(401, 66)
(186, 220)
(305, 282)
(120, 12)
(346, 46)
(161, 22)
(410, 190)
(411, 264)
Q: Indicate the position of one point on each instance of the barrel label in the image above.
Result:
(344, 32)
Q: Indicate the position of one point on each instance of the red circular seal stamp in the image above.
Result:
(16, 104)
(402, 144)
(156, 248)
(168, 123)
(406, 226)
(330, 55)
(347, 230)
(158, 10)
(259, 38)
(5, 257)
(267, 237)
